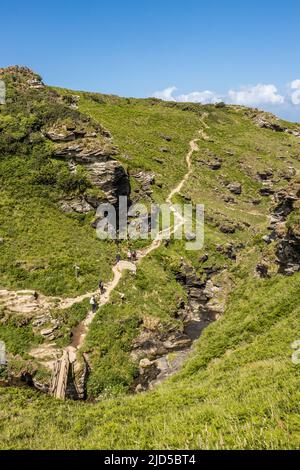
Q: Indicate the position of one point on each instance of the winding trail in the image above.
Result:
(80, 332)
(52, 356)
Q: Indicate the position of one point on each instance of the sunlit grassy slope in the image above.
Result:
(239, 388)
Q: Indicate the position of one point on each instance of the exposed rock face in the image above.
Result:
(111, 178)
(76, 204)
(81, 144)
(24, 302)
(288, 174)
(25, 77)
(265, 123)
(288, 248)
(229, 250)
(228, 227)
(262, 270)
(76, 138)
(167, 138)
(211, 160)
(284, 232)
(266, 190)
(265, 175)
(145, 180)
(269, 121)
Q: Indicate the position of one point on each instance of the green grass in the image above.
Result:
(239, 388)
(153, 292)
(137, 127)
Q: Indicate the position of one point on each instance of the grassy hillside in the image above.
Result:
(239, 390)
(238, 387)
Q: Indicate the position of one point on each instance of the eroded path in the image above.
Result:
(48, 354)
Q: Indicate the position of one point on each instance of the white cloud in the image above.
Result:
(256, 95)
(166, 94)
(204, 97)
(266, 96)
(295, 95)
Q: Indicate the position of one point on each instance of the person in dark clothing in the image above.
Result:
(118, 258)
(101, 286)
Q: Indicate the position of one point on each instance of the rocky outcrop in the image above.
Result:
(75, 138)
(24, 76)
(212, 161)
(262, 270)
(76, 204)
(235, 188)
(285, 228)
(265, 175)
(26, 303)
(145, 181)
(267, 189)
(82, 144)
(111, 177)
(270, 121)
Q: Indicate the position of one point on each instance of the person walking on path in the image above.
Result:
(93, 304)
(118, 258)
(101, 286)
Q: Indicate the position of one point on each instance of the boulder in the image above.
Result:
(76, 204)
(215, 164)
(49, 331)
(235, 188)
(167, 138)
(269, 122)
(262, 270)
(266, 191)
(227, 228)
(265, 174)
(288, 174)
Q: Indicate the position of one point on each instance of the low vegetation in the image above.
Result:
(238, 387)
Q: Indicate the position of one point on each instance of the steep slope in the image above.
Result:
(237, 386)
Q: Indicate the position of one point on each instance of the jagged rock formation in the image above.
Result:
(287, 230)
(266, 120)
(91, 147)
(73, 137)
(145, 181)
(24, 77)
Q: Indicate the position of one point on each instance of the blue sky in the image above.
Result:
(243, 52)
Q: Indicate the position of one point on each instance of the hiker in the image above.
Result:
(129, 255)
(101, 286)
(118, 258)
(77, 269)
(134, 255)
(93, 304)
